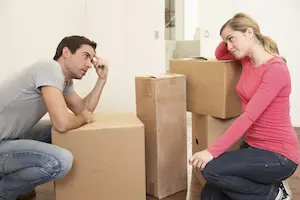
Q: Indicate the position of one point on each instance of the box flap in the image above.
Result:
(161, 76)
(111, 120)
(200, 59)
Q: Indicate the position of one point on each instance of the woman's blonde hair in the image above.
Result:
(241, 22)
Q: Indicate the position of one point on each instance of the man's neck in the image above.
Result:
(64, 69)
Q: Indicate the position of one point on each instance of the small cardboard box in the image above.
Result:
(211, 86)
(109, 159)
(161, 106)
(205, 131)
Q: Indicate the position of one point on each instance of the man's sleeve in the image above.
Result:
(69, 88)
(48, 73)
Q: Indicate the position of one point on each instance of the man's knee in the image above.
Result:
(66, 162)
(60, 164)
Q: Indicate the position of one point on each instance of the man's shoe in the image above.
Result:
(27, 195)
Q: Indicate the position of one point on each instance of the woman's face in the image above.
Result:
(238, 43)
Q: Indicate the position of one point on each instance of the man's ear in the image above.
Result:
(65, 52)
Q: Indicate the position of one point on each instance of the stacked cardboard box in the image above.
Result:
(211, 98)
(161, 106)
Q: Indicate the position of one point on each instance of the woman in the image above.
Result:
(270, 153)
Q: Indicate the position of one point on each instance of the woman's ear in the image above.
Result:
(250, 32)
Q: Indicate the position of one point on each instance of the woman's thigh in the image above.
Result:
(254, 164)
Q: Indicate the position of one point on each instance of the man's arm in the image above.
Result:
(90, 102)
(62, 120)
(76, 104)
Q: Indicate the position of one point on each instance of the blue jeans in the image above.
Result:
(31, 160)
(244, 174)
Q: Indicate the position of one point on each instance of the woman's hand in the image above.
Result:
(200, 159)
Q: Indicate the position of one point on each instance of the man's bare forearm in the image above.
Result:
(92, 99)
(75, 121)
(69, 123)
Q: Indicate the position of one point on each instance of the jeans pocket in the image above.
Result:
(288, 167)
(281, 159)
(1, 167)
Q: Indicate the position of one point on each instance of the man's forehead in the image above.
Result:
(88, 49)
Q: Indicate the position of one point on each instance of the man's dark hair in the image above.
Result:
(73, 43)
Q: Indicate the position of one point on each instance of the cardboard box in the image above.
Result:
(205, 131)
(161, 106)
(109, 159)
(211, 86)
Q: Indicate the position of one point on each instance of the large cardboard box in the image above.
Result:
(161, 106)
(109, 159)
(205, 131)
(211, 86)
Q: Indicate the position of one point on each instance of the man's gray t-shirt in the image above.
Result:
(21, 101)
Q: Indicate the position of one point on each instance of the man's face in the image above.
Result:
(79, 62)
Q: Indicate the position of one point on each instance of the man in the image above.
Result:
(27, 159)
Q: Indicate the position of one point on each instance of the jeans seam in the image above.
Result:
(270, 193)
(212, 196)
(224, 181)
(236, 166)
(287, 176)
(277, 165)
(5, 156)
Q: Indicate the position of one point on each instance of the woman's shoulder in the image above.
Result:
(276, 63)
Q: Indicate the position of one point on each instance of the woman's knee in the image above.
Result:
(211, 171)
(207, 172)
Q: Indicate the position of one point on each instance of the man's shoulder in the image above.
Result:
(45, 63)
(46, 68)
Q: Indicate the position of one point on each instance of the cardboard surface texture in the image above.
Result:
(205, 131)
(211, 86)
(109, 159)
(161, 106)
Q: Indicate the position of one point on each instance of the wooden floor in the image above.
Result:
(45, 192)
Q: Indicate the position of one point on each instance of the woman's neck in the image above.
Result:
(258, 55)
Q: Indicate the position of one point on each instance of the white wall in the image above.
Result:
(277, 19)
(212, 15)
(126, 37)
(29, 33)
(191, 19)
(179, 17)
(124, 31)
(292, 56)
